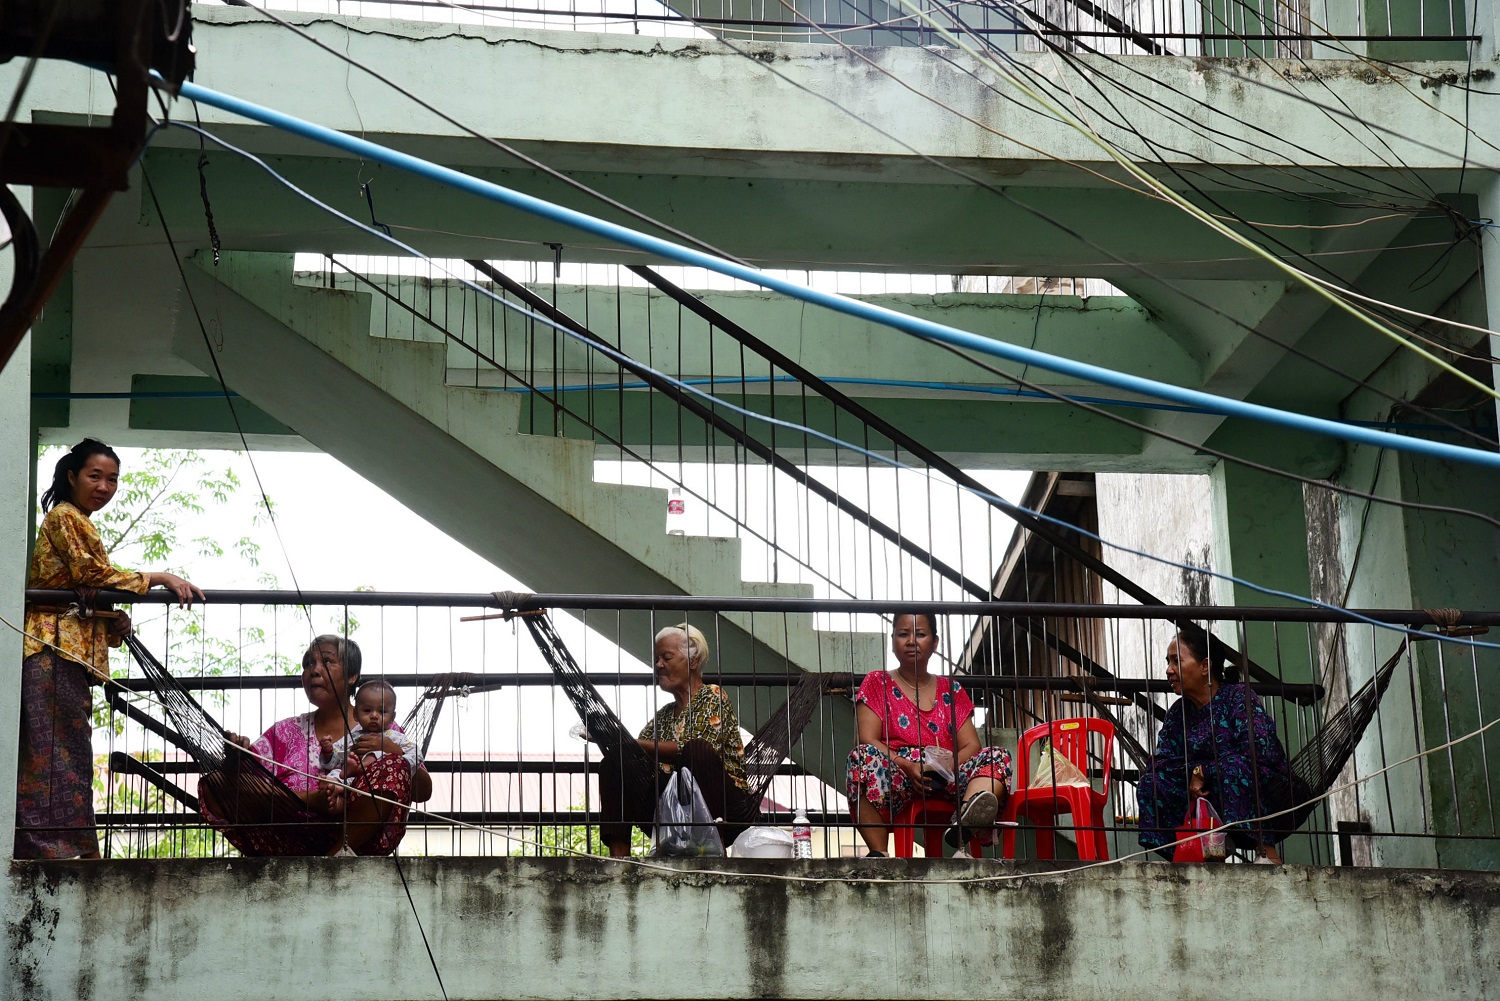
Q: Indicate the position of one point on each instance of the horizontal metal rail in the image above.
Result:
(478, 818)
(123, 763)
(690, 603)
(545, 679)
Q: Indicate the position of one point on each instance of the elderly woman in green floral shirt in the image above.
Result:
(698, 730)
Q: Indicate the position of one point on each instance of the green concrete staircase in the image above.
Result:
(454, 455)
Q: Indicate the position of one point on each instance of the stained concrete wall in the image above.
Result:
(331, 929)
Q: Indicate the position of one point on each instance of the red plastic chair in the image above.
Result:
(1044, 805)
(934, 814)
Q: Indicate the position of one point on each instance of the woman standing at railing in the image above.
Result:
(1216, 742)
(65, 653)
(917, 737)
(366, 818)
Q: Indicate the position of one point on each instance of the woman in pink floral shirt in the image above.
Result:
(912, 727)
(368, 817)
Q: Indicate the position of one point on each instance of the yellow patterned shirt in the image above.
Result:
(69, 554)
(709, 717)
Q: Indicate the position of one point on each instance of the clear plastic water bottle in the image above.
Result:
(676, 512)
(801, 836)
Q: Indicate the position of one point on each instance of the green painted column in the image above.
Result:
(1260, 535)
(1453, 562)
(1489, 245)
(17, 457)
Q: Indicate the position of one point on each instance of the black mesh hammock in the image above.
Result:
(1316, 767)
(248, 803)
(764, 754)
(246, 798)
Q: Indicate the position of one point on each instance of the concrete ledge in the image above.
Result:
(560, 928)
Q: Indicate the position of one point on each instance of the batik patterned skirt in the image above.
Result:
(268, 825)
(871, 775)
(55, 769)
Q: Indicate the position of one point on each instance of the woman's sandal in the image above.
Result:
(979, 811)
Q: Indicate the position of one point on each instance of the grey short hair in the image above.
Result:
(697, 644)
(348, 652)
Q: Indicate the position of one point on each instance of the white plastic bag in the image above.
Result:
(762, 842)
(684, 827)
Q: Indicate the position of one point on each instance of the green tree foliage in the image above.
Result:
(160, 491)
(132, 796)
(557, 840)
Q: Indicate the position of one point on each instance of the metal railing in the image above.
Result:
(1418, 789)
(1395, 29)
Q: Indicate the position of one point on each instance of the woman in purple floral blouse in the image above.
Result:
(1217, 742)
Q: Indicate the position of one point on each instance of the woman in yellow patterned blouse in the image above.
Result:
(697, 730)
(65, 654)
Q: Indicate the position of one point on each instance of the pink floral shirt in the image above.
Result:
(292, 745)
(904, 725)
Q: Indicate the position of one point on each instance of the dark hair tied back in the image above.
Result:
(931, 621)
(1207, 647)
(73, 462)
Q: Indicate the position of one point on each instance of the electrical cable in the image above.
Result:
(1084, 74)
(1135, 266)
(879, 67)
(1319, 78)
(506, 148)
(1339, 287)
(1214, 134)
(1182, 119)
(229, 397)
(618, 356)
(396, 858)
(838, 303)
(1384, 66)
(1207, 219)
(27, 255)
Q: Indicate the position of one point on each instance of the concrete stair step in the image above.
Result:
(455, 455)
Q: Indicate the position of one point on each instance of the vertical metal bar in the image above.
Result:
(1448, 739)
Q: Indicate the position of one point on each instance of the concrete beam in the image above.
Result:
(736, 103)
(1252, 326)
(755, 165)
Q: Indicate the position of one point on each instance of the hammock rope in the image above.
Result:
(237, 782)
(766, 750)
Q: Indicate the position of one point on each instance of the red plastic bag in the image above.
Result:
(1194, 846)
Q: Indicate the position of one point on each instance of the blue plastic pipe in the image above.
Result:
(851, 307)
